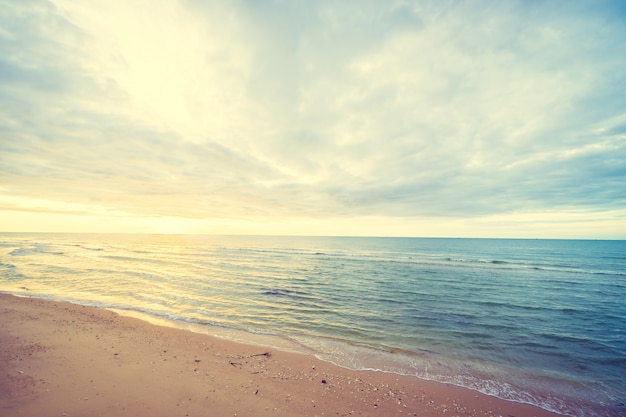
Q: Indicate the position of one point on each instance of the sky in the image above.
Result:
(366, 117)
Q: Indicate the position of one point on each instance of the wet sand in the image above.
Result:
(61, 359)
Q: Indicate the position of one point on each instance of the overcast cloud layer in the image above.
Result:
(318, 109)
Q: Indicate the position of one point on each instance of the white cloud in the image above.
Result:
(314, 110)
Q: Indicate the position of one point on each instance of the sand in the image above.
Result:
(60, 359)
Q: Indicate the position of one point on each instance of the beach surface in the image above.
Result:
(61, 359)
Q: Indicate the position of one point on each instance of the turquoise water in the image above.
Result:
(536, 321)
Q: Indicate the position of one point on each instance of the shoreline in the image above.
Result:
(58, 358)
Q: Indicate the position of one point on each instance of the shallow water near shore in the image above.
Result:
(535, 321)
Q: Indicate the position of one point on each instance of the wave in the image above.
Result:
(94, 249)
(9, 272)
(278, 292)
(34, 250)
(136, 259)
(464, 372)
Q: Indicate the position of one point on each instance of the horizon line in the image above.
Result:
(310, 236)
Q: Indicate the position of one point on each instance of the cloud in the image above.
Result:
(247, 109)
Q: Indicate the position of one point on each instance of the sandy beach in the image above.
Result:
(60, 359)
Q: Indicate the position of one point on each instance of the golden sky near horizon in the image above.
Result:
(404, 118)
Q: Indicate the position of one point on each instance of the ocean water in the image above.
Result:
(534, 321)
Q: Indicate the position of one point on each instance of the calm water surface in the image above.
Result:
(536, 321)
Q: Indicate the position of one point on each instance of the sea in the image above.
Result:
(534, 321)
